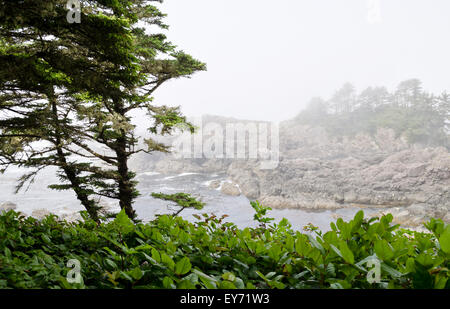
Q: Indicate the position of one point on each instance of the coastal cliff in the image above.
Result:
(319, 171)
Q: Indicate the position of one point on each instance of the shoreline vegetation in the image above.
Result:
(171, 253)
(67, 95)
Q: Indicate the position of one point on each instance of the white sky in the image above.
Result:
(266, 59)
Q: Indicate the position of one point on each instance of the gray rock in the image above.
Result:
(447, 218)
(40, 213)
(71, 217)
(215, 184)
(319, 171)
(418, 209)
(230, 189)
(404, 177)
(7, 206)
(417, 170)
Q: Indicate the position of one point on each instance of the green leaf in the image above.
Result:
(210, 282)
(168, 283)
(123, 223)
(391, 271)
(7, 252)
(301, 246)
(46, 239)
(136, 273)
(336, 286)
(229, 276)
(167, 260)
(338, 252)
(422, 278)
(126, 276)
(347, 254)
(239, 283)
(270, 275)
(185, 284)
(261, 275)
(316, 244)
(227, 285)
(193, 278)
(359, 217)
(331, 238)
(440, 281)
(183, 266)
(383, 250)
(156, 256)
(111, 263)
(290, 243)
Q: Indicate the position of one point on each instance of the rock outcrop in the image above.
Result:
(69, 215)
(230, 189)
(412, 176)
(7, 206)
(319, 171)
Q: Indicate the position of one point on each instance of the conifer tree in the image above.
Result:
(66, 92)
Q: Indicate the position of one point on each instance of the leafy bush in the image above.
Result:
(170, 252)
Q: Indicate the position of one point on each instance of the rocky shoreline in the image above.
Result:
(318, 171)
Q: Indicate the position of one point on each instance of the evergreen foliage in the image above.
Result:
(423, 118)
(67, 92)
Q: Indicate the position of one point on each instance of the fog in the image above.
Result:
(266, 62)
(267, 59)
(316, 145)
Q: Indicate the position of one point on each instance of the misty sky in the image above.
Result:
(266, 59)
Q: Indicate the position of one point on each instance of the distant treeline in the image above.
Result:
(419, 115)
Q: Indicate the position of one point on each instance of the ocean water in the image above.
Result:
(238, 209)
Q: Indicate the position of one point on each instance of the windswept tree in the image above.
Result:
(409, 93)
(443, 108)
(67, 91)
(372, 98)
(343, 100)
(421, 117)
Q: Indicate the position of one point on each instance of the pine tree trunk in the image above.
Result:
(126, 186)
(82, 196)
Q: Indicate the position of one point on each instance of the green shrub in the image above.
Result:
(170, 252)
